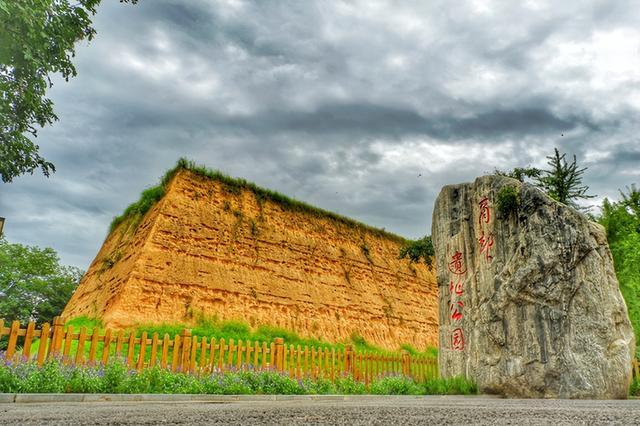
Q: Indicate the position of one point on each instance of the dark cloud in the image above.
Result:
(366, 109)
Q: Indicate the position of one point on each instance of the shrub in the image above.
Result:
(451, 386)
(395, 385)
(272, 383)
(508, 200)
(349, 386)
(9, 381)
(634, 389)
(115, 377)
(318, 386)
(418, 249)
(47, 379)
(234, 384)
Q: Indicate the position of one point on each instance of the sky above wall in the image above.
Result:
(366, 108)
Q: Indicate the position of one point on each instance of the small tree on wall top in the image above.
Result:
(563, 181)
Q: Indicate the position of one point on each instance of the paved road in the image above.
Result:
(384, 411)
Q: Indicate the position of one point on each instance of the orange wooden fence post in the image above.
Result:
(348, 359)
(192, 354)
(141, 353)
(175, 355)
(279, 341)
(44, 337)
(13, 339)
(93, 348)
(154, 350)
(56, 338)
(106, 347)
(186, 350)
(165, 350)
(406, 364)
(28, 339)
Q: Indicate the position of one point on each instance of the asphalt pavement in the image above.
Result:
(386, 410)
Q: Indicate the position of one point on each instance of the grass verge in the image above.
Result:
(115, 377)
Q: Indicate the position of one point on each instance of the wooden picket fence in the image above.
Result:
(198, 355)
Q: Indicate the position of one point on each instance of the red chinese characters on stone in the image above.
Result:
(456, 288)
(456, 310)
(456, 265)
(457, 340)
(485, 212)
(486, 243)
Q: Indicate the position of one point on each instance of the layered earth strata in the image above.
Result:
(210, 249)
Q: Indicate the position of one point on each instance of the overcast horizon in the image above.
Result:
(363, 108)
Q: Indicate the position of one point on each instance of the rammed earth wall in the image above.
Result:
(210, 249)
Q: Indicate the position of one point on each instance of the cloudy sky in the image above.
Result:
(364, 108)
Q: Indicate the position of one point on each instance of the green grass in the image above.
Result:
(84, 321)
(634, 389)
(430, 351)
(115, 377)
(237, 330)
(152, 195)
(241, 331)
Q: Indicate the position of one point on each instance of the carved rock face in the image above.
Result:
(529, 301)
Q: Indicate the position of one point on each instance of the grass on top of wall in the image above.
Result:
(152, 195)
(236, 330)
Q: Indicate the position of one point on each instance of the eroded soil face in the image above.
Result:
(206, 249)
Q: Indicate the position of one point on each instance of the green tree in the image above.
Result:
(621, 219)
(418, 249)
(631, 201)
(33, 285)
(520, 173)
(37, 39)
(563, 181)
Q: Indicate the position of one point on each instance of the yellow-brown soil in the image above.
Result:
(206, 250)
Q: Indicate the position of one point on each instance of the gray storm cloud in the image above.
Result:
(364, 108)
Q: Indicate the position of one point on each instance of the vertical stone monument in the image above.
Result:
(529, 301)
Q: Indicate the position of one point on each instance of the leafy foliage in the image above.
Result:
(37, 39)
(452, 386)
(234, 185)
(33, 285)
(563, 181)
(396, 385)
(508, 200)
(621, 219)
(520, 173)
(634, 389)
(115, 377)
(419, 249)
